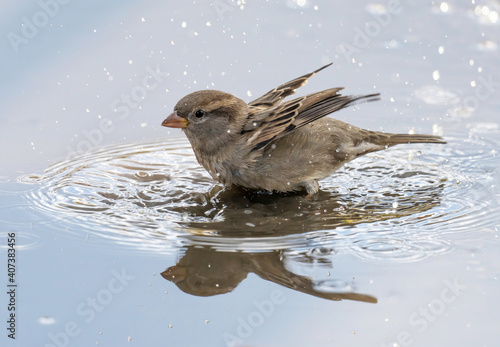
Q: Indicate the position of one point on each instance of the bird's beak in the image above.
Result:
(175, 273)
(174, 121)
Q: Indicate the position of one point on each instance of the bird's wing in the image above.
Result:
(265, 125)
(275, 96)
(273, 270)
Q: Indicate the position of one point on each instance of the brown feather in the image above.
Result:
(276, 95)
(280, 120)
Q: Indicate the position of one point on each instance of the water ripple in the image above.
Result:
(396, 205)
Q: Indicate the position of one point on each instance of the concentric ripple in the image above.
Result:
(396, 205)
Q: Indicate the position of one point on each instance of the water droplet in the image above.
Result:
(46, 320)
(435, 75)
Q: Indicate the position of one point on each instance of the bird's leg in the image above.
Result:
(312, 187)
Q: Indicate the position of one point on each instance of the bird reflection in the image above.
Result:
(240, 213)
(203, 271)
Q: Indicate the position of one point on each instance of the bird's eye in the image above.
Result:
(199, 113)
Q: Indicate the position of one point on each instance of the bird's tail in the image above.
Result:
(395, 139)
(372, 141)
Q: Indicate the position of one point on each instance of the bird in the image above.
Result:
(205, 271)
(277, 146)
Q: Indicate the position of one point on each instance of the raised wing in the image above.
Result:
(267, 124)
(275, 96)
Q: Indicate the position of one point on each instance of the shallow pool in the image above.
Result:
(121, 238)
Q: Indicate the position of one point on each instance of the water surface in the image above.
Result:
(123, 239)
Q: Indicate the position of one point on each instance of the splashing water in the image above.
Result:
(392, 205)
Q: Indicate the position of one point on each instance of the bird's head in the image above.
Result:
(210, 118)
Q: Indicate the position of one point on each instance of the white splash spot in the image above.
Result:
(437, 130)
(45, 320)
(435, 75)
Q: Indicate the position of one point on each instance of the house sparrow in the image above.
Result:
(204, 271)
(275, 145)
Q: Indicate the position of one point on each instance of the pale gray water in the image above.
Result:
(123, 239)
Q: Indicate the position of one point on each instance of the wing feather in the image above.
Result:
(275, 96)
(278, 121)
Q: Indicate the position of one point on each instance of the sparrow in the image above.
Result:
(204, 271)
(274, 145)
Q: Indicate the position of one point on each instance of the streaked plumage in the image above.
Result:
(277, 145)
